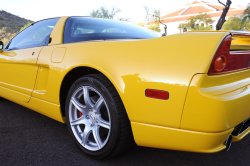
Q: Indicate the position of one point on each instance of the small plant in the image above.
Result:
(200, 22)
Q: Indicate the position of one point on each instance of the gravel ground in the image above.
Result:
(29, 138)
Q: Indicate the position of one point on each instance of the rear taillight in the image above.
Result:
(225, 61)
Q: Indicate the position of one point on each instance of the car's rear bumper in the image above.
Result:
(184, 140)
(214, 109)
(217, 103)
(178, 139)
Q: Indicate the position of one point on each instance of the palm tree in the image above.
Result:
(246, 15)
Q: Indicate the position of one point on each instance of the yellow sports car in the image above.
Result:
(116, 83)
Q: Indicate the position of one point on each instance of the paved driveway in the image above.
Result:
(29, 138)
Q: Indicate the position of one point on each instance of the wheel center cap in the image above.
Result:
(92, 118)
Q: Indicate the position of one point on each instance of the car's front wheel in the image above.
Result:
(96, 117)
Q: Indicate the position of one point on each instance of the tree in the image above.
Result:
(195, 21)
(146, 14)
(156, 17)
(105, 13)
(155, 27)
(235, 23)
(141, 24)
(157, 14)
(5, 36)
(246, 16)
(25, 26)
(181, 26)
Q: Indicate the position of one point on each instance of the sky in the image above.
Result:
(40, 9)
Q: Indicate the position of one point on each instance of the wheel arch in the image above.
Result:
(72, 75)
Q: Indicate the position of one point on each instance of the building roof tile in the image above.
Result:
(174, 13)
(196, 2)
(197, 9)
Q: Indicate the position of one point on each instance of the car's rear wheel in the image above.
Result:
(96, 117)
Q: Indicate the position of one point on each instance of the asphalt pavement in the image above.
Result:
(29, 138)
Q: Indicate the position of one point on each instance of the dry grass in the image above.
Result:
(5, 37)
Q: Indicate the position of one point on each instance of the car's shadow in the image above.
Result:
(29, 138)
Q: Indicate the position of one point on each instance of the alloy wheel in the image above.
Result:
(89, 118)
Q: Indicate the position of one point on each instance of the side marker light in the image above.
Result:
(157, 94)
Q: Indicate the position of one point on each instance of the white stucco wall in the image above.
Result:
(172, 28)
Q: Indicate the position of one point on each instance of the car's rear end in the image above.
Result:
(219, 101)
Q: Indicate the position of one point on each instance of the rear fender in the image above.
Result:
(166, 63)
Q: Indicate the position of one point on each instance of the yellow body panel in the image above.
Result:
(57, 33)
(132, 71)
(52, 110)
(200, 113)
(18, 71)
(240, 42)
(226, 99)
(8, 93)
(177, 139)
(58, 55)
(241, 136)
(42, 79)
(52, 75)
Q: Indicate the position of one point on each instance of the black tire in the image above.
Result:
(120, 136)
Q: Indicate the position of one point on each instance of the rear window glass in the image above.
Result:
(85, 28)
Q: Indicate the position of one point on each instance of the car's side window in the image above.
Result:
(35, 35)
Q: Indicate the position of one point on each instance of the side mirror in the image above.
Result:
(1, 46)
